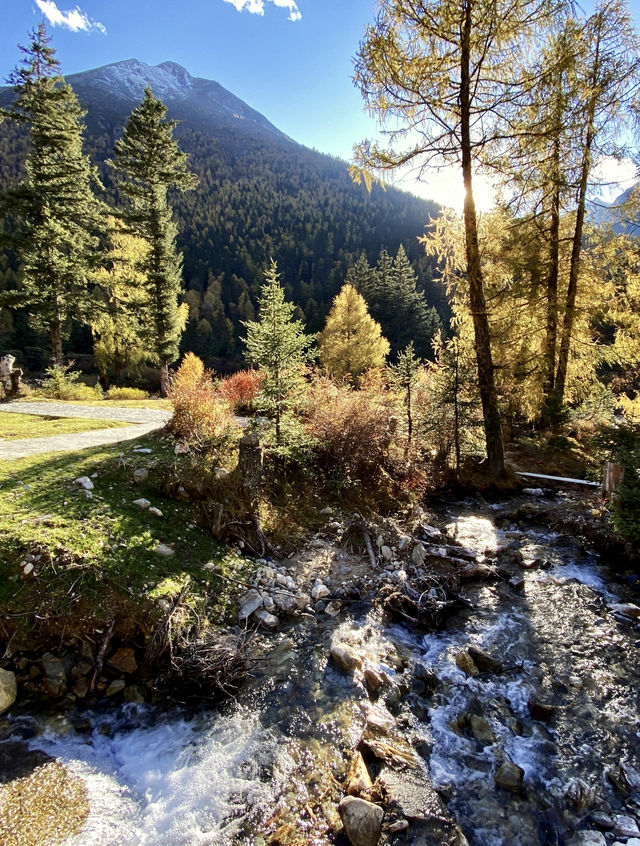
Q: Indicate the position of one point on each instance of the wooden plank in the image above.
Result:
(559, 479)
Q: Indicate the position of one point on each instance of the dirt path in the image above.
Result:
(63, 409)
(145, 420)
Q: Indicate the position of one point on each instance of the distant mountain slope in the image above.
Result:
(261, 195)
(605, 213)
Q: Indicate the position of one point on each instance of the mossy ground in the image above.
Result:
(14, 426)
(95, 557)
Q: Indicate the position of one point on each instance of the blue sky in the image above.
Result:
(289, 59)
(294, 71)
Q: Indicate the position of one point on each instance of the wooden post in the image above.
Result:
(611, 479)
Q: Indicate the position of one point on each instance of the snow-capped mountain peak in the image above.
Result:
(130, 77)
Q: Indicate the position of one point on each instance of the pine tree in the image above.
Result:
(351, 341)
(148, 163)
(59, 216)
(411, 320)
(393, 300)
(278, 345)
(363, 278)
(405, 374)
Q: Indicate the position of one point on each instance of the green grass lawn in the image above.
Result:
(34, 426)
(96, 555)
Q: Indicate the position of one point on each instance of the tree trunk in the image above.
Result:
(486, 381)
(551, 329)
(164, 378)
(557, 397)
(55, 336)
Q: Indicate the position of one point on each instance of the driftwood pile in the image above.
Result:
(210, 667)
(425, 603)
(195, 665)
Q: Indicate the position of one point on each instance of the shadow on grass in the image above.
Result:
(90, 545)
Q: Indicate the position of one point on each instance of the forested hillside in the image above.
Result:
(260, 195)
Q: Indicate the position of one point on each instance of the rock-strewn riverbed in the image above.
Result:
(516, 723)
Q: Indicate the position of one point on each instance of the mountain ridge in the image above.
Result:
(261, 196)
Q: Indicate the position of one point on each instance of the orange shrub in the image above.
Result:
(241, 389)
(352, 429)
(200, 416)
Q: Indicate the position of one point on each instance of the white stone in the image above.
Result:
(386, 553)
(181, 449)
(249, 603)
(533, 491)
(404, 542)
(587, 838)
(143, 450)
(267, 621)
(8, 689)
(625, 826)
(319, 592)
(84, 482)
(155, 511)
(141, 474)
(142, 503)
(164, 550)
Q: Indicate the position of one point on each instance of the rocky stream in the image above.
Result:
(514, 722)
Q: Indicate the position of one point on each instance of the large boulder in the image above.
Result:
(8, 689)
(362, 821)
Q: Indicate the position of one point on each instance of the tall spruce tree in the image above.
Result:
(277, 343)
(59, 216)
(148, 163)
(391, 294)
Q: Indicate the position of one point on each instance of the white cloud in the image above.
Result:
(74, 19)
(256, 7)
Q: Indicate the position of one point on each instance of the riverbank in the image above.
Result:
(313, 683)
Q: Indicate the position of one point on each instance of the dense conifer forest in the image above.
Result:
(260, 196)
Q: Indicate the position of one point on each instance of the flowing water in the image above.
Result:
(278, 755)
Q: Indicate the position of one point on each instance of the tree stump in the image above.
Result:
(248, 473)
(9, 378)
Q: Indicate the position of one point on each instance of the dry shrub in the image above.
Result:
(240, 390)
(200, 417)
(354, 429)
(126, 394)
